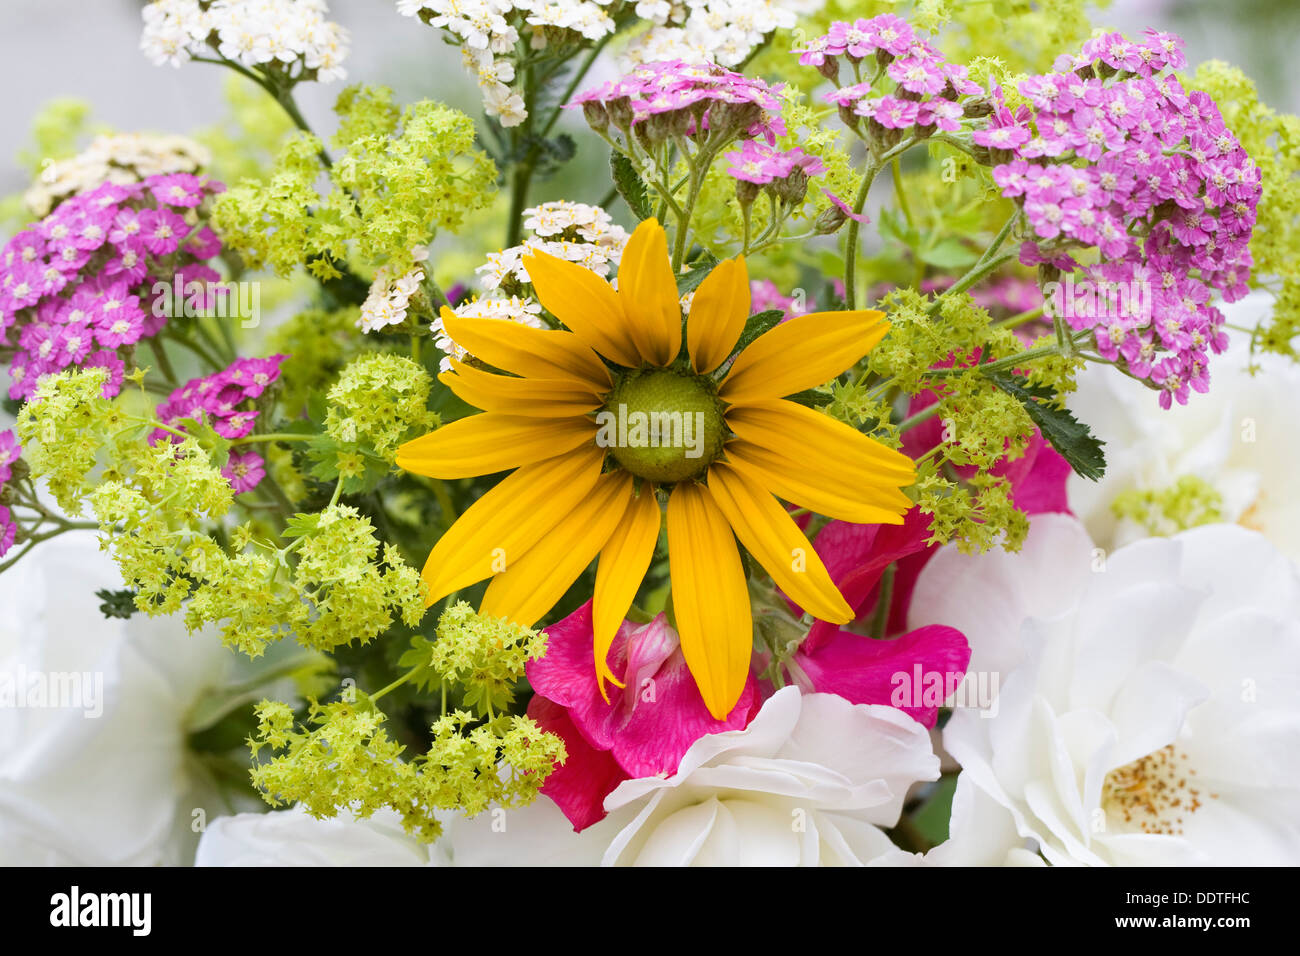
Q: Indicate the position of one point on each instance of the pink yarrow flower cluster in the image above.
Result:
(765, 296)
(73, 287)
(10, 450)
(1115, 155)
(925, 91)
(670, 97)
(756, 162)
(226, 401)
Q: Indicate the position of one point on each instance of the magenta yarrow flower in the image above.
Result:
(8, 530)
(221, 400)
(845, 208)
(684, 98)
(765, 296)
(10, 451)
(244, 470)
(760, 164)
(75, 287)
(1114, 155)
(925, 94)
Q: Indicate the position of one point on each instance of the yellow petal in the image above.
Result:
(802, 353)
(769, 534)
(824, 445)
(623, 563)
(648, 291)
(584, 302)
(710, 599)
(530, 586)
(490, 442)
(512, 517)
(534, 353)
(846, 498)
(718, 314)
(532, 397)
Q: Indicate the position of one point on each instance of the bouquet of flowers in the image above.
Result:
(771, 432)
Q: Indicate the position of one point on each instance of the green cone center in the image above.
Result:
(662, 425)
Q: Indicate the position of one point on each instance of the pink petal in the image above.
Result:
(857, 554)
(648, 725)
(579, 785)
(1041, 485)
(865, 670)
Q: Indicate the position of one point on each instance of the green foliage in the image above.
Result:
(342, 758)
(630, 185)
(1273, 141)
(403, 176)
(1068, 435)
(379, 401)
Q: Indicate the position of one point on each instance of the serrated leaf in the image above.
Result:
(301, 525)
(756, 325)
(1070, 437)
(419, 660)
(630, 186)
(117, 604)
(690, 280)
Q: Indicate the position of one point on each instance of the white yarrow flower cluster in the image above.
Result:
(269, 34)
(488, 31)
(120, 158)
(572, 231)
(510, 308)
(712, 31)
(390, 296)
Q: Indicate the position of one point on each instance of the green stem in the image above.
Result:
(394, 685)
(572, 88)
(1020, 318)
(880, 620)
(924, 414)
(269, 436)
(197, 349)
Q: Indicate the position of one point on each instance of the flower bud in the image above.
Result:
(596, 115)
(830, 68)
(792, 188)
(830, 221)
(620, 113)
(746, 192)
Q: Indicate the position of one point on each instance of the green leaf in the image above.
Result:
(755, 326)
(120, 604)
(419, 658)
(948, 254)
(629, 185)
(301, 525)
(690, 280)
(933, 816)
(810, 397)
(1067, 434)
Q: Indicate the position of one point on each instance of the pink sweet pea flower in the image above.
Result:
(642, 731)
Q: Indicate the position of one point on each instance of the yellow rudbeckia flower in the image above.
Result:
(586, 483)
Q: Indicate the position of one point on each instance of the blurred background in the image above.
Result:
(88, 49)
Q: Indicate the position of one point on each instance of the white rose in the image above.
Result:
(1242, 438)
(1156, 718)
(295, 838)
(104, 778)
(812, 780)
